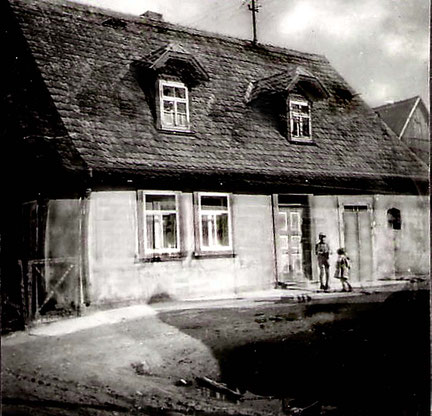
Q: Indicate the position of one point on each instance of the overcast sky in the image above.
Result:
(381, 47)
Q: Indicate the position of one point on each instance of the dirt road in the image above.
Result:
(276, 349)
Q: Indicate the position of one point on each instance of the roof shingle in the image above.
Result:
(86, 67)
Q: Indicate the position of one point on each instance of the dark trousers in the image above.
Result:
(324, 270)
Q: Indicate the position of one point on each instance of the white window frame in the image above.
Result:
(175, 100)
(160, 213)
(302, 116)
(214, 213)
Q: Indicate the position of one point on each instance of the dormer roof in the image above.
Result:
(286, 81)
(175, 54)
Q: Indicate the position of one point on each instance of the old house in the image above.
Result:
(151, 159)
(409, 119)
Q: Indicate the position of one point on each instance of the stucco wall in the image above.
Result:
(254, 241)
(117, 274)
(112, 246)
(409, 246)
(324, 214)
(395, 252)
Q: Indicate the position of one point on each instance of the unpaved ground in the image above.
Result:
(135, 367)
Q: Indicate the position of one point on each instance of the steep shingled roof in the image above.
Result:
(87, 68)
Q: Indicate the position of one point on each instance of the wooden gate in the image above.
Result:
(51, 285)
(51, 258)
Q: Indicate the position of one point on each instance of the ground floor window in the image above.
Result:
(160, 223)
(213, 222)
(159, 227)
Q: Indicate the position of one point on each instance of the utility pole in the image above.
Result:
(254, 8)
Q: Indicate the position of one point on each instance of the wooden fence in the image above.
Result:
(50, 282)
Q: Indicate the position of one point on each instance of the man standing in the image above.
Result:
(322, 250)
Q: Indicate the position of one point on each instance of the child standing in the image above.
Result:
(342, 267)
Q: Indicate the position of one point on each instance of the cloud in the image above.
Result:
(380, 47)
(339, 20)
(398, 46)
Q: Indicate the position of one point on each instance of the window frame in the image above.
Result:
(209, 250)
(394, 219)
(143, 212)
(298, 100)
(175, 100)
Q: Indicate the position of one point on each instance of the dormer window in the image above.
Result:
(289, 96)
(166, 76)
(300, 120)
(174, 105)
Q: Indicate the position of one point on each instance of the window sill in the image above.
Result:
(175, 131)
(214, 255)
(162, 257)
(301, 141)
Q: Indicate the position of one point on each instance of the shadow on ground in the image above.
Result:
(372, 360)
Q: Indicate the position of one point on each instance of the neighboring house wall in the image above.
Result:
(118, 275)
(416, 134)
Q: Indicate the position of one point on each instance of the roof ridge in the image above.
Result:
(75, 4)
(397, 102)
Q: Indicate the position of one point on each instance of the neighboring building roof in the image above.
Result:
(409, 119)
(87, 68)
(397, 114)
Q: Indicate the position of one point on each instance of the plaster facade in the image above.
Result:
(118, 274)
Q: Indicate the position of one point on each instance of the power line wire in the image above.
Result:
(220, 12)
(216, 11)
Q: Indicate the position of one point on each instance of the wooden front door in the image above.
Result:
(358, 241)
(291, 253)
